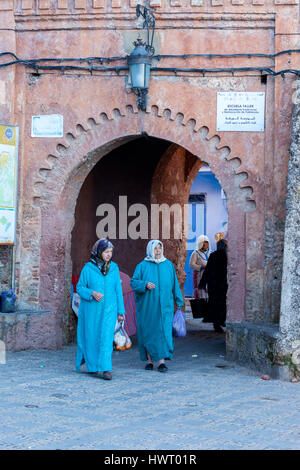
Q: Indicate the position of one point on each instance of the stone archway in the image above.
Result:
(60, 180)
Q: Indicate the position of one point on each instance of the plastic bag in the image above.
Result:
(178, 326)
(75, 303)
(121, 338)
(8, 300)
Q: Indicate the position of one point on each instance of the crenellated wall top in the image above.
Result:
(73, 7)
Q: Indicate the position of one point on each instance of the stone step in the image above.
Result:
(28, 329)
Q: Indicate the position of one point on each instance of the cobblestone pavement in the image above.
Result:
(203, 402)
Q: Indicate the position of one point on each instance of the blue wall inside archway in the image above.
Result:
(207, 215)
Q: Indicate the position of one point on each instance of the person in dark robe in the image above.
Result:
(214, 279)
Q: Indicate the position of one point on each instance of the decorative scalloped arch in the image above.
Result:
(80, 147)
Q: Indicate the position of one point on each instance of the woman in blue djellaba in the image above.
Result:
(100, 291)
(156, 288)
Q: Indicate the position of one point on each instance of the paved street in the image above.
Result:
(203, 402)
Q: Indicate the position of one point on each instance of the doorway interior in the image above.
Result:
(129, 171)
(207, 215)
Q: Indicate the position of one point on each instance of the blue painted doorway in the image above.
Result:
(196, 226)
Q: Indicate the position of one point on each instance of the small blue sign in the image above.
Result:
(9, 133)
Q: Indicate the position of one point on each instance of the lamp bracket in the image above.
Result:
(141, 99)
(147, 13)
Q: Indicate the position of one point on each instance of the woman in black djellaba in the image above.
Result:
(214, 279)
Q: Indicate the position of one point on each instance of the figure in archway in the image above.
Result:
(198, 262)
(214, 279)
(156, 288)
(100, 290)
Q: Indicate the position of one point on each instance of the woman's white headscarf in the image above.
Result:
(150, 252)
(201, 240)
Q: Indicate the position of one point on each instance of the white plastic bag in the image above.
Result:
(178, 326)
(75, 303)
(121, 338)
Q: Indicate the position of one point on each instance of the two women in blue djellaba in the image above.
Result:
(156, 289)
(100, 290)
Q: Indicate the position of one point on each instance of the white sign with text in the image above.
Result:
(47, 126)
(241, 111)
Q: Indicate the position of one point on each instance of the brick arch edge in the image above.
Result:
(189, 127)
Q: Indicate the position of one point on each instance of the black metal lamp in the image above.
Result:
(139, 63)
(140, 60)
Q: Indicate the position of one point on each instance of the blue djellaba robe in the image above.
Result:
(155, 308)
(96, 320)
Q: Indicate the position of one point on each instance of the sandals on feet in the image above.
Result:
(149, 366)
(107, 375)
(162, 368)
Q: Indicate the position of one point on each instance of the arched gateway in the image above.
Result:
(199, 52)
(58, 182)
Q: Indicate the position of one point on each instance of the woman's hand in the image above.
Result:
(150, 286)
(97, 296)
(121, 318)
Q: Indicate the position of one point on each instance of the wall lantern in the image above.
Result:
(139, 63)
(140, 59)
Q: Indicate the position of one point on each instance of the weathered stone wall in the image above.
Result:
(28, 330)
(290, 300)
(5, 268)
